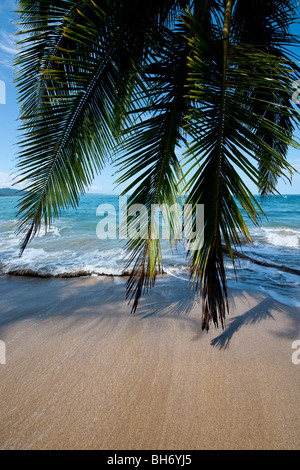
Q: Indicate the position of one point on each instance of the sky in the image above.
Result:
(9, 113)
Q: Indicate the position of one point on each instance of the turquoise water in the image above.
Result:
(72, 245)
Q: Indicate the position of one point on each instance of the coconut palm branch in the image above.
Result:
(150, 160)
(139, 82)
(234, 125)
(150, 152)
(79, 59)
(266, 25)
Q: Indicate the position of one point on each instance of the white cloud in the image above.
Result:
(6, 62)
(8, 8)
(7, 181)
(7, 42)
(7, 49)
(95, 189)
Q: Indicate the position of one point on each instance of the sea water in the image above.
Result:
(71, 245)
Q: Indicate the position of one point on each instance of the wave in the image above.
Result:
(285, 237)
(107, 272)
(63, 275)
(52, 230)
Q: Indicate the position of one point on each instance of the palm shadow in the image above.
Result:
(39, 299)
(260, 312)
(164, 307)
(176, 304)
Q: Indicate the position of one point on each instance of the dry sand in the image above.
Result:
(82, 373)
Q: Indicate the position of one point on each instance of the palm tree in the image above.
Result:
(144, 83)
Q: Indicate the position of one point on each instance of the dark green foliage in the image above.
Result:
(144, 84)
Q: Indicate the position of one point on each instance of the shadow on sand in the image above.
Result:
(22, 299)
(260, 312)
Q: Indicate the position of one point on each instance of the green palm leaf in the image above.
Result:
(145, 81)
(150, 160)
(228, 83)
(69, 108)
(266, 25)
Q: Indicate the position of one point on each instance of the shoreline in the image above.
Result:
(83, 373)
(237, 285)
(67, 275)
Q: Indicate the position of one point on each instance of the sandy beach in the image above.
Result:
(82, 373)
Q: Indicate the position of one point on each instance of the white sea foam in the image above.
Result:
(180, 272)
(282, 237)
(52, 230)
(110, 262)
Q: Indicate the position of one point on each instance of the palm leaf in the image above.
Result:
(78, 82)
(266, 24)
(150, 160)
(228, 82)
(99, 78)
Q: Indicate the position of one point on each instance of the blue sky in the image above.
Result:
(9, 116)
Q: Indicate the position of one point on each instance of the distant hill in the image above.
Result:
(10, 192)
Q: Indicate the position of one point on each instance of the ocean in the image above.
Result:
(71, 246)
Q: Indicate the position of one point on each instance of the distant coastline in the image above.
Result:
(10, 192)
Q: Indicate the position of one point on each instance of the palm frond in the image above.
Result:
(266, 24)
(99, 78)
(81, 60)
(150, 160)
(226, 86)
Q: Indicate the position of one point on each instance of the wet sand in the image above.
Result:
(82, 373)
